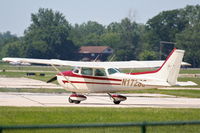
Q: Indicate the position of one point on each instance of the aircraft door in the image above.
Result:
(99, 80)
(86, 80)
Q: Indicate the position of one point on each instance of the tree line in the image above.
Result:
(50, 35)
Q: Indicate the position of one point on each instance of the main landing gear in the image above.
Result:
(117, 98)
(76, 98)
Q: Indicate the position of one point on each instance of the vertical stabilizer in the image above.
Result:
(170, 69)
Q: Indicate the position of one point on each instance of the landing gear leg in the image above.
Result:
(76, 98)
(117, 98)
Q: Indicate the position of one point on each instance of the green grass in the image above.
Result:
(47, 76)
(12, 74)
(38, 116)
(189, 71)
(193, 79)
(32, 68)
(179, 93)
(33, 90)
(182, 71)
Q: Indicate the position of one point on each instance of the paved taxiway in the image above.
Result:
(96, 100)
(8, 82)
(21, 82)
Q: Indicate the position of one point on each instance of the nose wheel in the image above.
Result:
(73, 101)
(76, 98)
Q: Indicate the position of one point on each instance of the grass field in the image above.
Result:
(6, 66)
(36, 115)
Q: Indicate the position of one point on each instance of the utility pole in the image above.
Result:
(164, 42)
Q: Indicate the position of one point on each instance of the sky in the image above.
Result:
(15, 15)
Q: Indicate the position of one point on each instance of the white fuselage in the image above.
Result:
(110, 83)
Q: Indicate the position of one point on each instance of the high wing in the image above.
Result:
(117, 64)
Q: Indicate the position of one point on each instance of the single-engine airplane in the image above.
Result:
(105, 77)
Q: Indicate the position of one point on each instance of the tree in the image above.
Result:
(164, 27)
(191, 14)
(87, 33)
(110, 39)
(12, 49)
(147, 55)
(189, 40)
(47, 36)
(129, 45)
(6, 38)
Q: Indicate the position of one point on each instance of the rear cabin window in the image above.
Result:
(100, 72)
(86, 71)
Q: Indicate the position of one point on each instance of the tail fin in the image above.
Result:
(170, 69)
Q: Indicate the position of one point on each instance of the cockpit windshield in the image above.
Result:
(113, 71)
(76, 69)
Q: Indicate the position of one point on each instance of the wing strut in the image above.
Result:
(63, 76)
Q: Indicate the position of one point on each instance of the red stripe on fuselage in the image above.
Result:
(71, 74)
(81, 82)
(148, 72)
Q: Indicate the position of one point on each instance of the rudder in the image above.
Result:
(170, 69)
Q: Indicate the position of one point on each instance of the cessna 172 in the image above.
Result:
(105, 77)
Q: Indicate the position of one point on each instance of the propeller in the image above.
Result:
(52, 79)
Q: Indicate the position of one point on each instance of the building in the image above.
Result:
(89, 53)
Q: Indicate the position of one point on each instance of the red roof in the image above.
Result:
(92, 49)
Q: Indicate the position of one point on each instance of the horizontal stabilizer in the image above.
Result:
(188, 83)
(155, 83)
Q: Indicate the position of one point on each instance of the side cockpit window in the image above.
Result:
(112, 71)
(100, 72)
(76, 70)
(86, 71)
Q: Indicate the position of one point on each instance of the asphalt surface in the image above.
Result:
(8, 82)
(93, 100)
(96, 100)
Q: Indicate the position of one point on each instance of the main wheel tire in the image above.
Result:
(70, 100)
(77, 102)
(116, 102)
